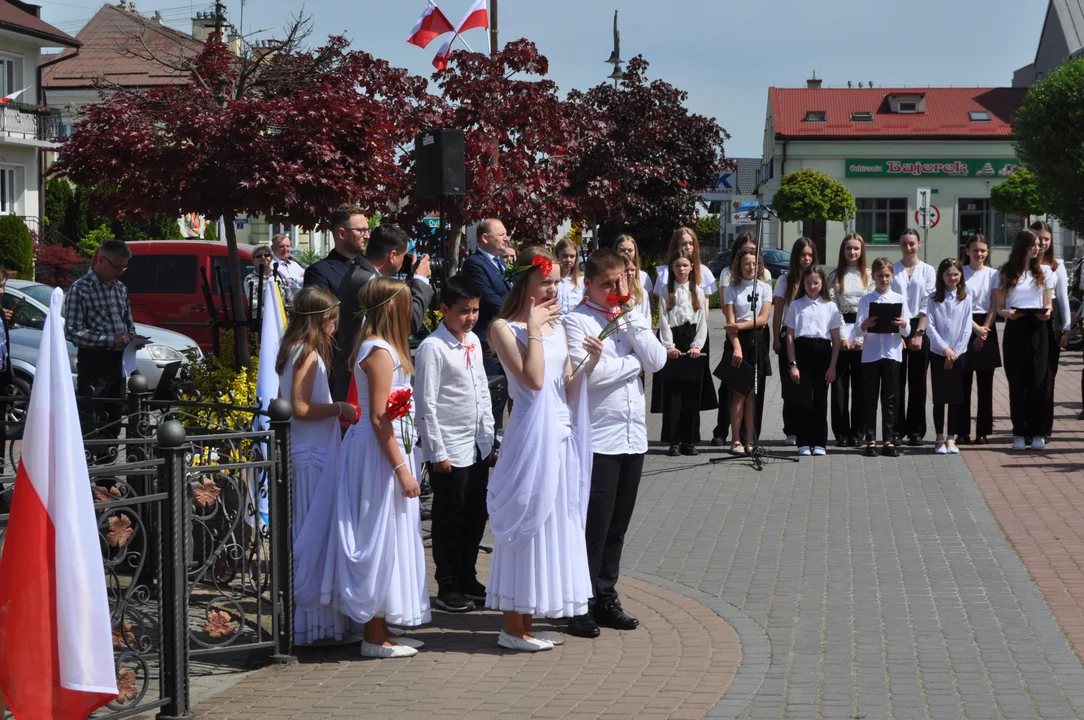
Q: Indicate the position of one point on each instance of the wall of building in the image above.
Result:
(15, 153)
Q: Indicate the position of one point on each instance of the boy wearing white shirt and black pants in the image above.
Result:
(455, 423)
(615, 397)
(914, 280)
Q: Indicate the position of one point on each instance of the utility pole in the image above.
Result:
(220, 20)
(492, 27)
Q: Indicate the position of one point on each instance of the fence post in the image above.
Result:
(171, 437)
(282, 533)
(138, 429)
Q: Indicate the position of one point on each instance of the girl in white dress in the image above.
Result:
(570, 285)
(379, 570)
(314, 444)
(539, 488)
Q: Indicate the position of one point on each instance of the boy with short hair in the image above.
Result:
(455, 424)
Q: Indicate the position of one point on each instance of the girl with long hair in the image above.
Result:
(1060, 319)
(847, 285)
(539, 488)
(741, 328)
(983, 350)
(302, 363)
(914, 280)
(627, 246)
(946, 318)
(685, 240)
(570, 286)
(789, 287)
(1024, 298)
(640, 297)
(379, 573)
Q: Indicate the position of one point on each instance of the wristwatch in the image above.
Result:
(793, 363)
(920, 333)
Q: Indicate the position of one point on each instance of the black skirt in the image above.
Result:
(948, 382)
(686, 368)
(990, 356)
(763, 349)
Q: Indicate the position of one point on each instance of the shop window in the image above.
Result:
(1005, 228)
(881, 221)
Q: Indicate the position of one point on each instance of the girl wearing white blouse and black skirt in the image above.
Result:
(1024, 299)
(983, 351)
(683, 330)
(1061, 320)
(946, 318)
(813, 324)
(847, 285)
(742, 331)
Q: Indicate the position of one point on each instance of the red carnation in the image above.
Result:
(618, 299)
(399, 403)
(543, 263)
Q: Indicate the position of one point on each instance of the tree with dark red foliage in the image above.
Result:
(57, 265)
(282, 132)
(643, 159)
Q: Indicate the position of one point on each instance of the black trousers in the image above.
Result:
(792, 413)
(459, 521)
(883, 377)
(955, 419)
(1026, 348)
(680, 410)
(911, 403)
(984, 413)
(615, 480)
(848, 412)
(813, 357)
(1051, 373)
(101, 378)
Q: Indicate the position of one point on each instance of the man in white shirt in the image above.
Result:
(914, 280)
(615, 397)
(288, 269)
(455, 424)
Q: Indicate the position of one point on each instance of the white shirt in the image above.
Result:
(644, 308)
(740, 297)
(813, 318)
(948, 323)
(882, 346)
(724, 277)
(980, 288)
(492, 258)
(914, 289)
(847, 301)
(681, 314)
(291, 271)
(455, 411)
(645, 281)
(1025, 294)
(707, 280)
(615, 395)
(568, 296)
(1061, 293)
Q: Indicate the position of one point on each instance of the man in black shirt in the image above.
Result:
(350, 228)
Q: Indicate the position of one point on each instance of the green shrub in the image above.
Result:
(210, 231)
(92, 240)
(16, 247)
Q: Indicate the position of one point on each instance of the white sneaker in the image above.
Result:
(819, 451)
(551, 638)
(512, 642)
(804, 451)
(1038, 444)
(792, 439)
(409, 642)
(368, 649)
(940, 449)
(951, 448)
(1018, 443)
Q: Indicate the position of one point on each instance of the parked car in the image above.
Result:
(775, 261)
(166, 287)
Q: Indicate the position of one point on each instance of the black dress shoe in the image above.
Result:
(890, 450)
(914, 441)
(687, 449)
(583, 626)
(871, 450)
(981, 440)
(963, 439)
(674, 451)
(612, 616)
(474, 590)
(841, 442)
(718, 441)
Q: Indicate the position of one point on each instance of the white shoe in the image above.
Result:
(940, 449)
(409, 642)
(819, 451)
(1038, 444)
(511, 642)
(804, 451)
(368, 649)
(1018, 443)
(951, 449)
(396, 631)
(792, 439)
(551, 638)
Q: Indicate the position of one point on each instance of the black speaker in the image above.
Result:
(440, 165)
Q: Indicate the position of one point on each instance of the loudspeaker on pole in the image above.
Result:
(440, 164)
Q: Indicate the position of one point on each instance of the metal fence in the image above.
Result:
(190, 570)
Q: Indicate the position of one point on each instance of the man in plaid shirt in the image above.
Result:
(98, 321)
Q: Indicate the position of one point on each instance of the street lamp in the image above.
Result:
(615, 57)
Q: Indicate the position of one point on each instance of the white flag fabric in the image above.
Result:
(272, 328)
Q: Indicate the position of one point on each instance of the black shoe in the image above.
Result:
(914, 441)
(1080, 416)
(453, 602)
(963, 439)
(981, 440)
(426, 513)
(612, 616)
(474, 590)
(583, 626)
(687, 449)
(718, 441)
(871, 450)
(674, 450)
(890, 450)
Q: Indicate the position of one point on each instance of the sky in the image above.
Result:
(724, 54)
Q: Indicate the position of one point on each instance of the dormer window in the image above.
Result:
(861, 116)
(816, 116)
(907, 104)
(979, 116)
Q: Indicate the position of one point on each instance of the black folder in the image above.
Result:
(885, 314)
(739, 379)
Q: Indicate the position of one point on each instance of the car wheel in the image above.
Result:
(16, 411)
(1076, 338)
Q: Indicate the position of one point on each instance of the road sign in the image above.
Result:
(933, 215)
(432, 221)
(722, 187)
(745, 213)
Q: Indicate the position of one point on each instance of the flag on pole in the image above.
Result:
(8, 98)
(430, 25)
(440, 61)
(272, 328)
(476, 17)
(56, 642)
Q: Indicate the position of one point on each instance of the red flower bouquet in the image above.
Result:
(352, 401)
(400, 404)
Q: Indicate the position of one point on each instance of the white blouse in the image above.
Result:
(568, 295)
(724, 277)
(948, 323)
(882, 346)
(741, 295)
(1061, 293)
(707, 280)
(853, 289)
(916, 288)
(1025, 294)
(681, 314)
(980, 288)
(813, 318)
(645, 282)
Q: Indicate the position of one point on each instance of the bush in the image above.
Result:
(164, 227)
(215, 380)
(58, 198)
(210, 231)
(16, 247)
(307, 256)
(93, 239)
(57, 265)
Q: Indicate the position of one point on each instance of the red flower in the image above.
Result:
(618, 299)
(399, 403)
(543, 263)
(352, 401)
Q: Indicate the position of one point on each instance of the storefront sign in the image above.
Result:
(904, 167)
(880, 239)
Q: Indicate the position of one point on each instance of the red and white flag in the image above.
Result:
(430, 25)
(14, 95)
(440, 60)
(56, 643)
(476, 17)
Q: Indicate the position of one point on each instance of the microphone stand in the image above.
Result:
(759, 454)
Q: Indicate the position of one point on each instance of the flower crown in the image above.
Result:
(514, 270)
(363, 310)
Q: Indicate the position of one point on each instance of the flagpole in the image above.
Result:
(492, 27)
(460, 38)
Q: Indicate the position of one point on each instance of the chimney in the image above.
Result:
(813, 82)
(203, 25)
(233, 40)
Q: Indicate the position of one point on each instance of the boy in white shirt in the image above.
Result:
(455, 424)
(615, 397)
(914, 280)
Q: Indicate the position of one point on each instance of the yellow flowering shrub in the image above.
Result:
(215, 380)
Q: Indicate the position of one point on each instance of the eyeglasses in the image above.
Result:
(361, 230)
(257, 256)
(118, 268)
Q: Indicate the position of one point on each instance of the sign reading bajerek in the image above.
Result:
(951, 167)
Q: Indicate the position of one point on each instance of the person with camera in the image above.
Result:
(385, 255)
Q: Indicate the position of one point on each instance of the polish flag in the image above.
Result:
(430, 25)
(476, 17)
(56, 644)
(8, 98)
(440, 61)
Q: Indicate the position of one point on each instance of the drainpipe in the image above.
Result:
(782, 174)
(41, 154)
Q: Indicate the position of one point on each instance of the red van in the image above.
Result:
(165, 283)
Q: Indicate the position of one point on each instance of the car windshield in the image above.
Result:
(41, 293)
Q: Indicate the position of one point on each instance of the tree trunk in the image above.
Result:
(240, 325)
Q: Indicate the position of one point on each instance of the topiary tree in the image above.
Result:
(1019, 195)
(16, 247)
(811, 195)
(58, 198)
(1048, 133)
(210, 231)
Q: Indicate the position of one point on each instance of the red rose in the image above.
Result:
(543, 263)
(618, 299)
(399, 403)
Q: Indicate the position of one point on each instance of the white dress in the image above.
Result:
(314, 446)
(538, 495)
(379, 563)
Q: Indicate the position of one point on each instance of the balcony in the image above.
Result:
(30, 125)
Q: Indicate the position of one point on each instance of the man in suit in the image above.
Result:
(384, 255)
(484, 268)
(350, 228)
